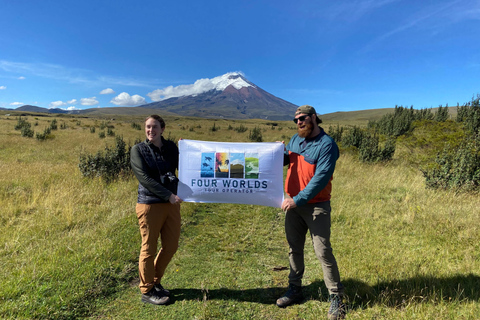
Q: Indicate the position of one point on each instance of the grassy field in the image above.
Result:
(70, 245)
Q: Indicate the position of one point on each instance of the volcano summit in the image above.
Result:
(229, 96)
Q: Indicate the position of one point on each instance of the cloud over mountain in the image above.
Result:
(124, 99)
(228, 96)
(235, 79)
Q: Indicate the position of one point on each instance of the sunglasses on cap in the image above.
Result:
(302, 118)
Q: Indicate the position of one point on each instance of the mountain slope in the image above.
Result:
(229, 96)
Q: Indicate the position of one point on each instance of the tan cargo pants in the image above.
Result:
(156, 220)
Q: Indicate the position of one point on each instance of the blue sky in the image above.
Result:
(335, 55)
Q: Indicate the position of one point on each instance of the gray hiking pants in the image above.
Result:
(316, 219)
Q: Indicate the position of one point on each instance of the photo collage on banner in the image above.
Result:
(233, 165)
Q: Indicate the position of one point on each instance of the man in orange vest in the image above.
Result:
(311, 156)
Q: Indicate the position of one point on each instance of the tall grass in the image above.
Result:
(69, 245)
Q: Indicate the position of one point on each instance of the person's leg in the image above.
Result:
(150, 221)
(319, 225)
(170, 235)
(295, 231)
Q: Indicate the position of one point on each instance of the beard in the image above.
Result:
(305, 131)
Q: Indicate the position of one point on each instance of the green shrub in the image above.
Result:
(136, 126)
(101, 134)
(110, 132)
(366, 143)
(241, 128)
(401, 120)
(109, 164)
(352, 137)
(255, 135)
(469, 114)
(22, 123)
(442, 114)
(92, 129)
(335, 133)
(456, 167)
(370, 151)
(53, 124)
(27, 132)
(45, 135)
(214, 128)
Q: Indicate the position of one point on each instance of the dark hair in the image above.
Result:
(158, 118)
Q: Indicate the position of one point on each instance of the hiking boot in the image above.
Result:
(155, 297)
(293, 295)
(337, 308)
(162, 290)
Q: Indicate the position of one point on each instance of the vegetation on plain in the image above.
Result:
(70, 238)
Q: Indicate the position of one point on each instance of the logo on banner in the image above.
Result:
(229, 165)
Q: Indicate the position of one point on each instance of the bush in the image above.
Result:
(336, 133)
(442, 114)
(22, 123)
(370, 151)
(401, 120)
(136, 126)
(366, 143)
(469, 114)
(241, 128)
(214, 128)
(456, 167)
(108, 165)
(352, 137)
(92, 129)
(255, 135)
(53, 125)
(45, 135)
(27, 132)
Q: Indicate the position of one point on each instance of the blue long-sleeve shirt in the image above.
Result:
(311, 166)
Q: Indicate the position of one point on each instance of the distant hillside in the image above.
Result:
(360, 115)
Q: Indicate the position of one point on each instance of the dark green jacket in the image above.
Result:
(148, 167)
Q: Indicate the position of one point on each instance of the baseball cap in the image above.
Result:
(308, 110)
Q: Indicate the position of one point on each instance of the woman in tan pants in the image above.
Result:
(154, 163)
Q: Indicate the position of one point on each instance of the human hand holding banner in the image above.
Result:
(231, 172)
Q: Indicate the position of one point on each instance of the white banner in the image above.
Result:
(230, 172)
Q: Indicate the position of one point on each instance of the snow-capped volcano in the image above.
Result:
(220, 83)
(228, 96)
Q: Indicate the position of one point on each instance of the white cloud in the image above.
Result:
(107, 91)
(57, 104)
(200, 86)
(72, 75)
(89, 101)
(72, 108)
(124, 99)
(3, 87)
(17, 104)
